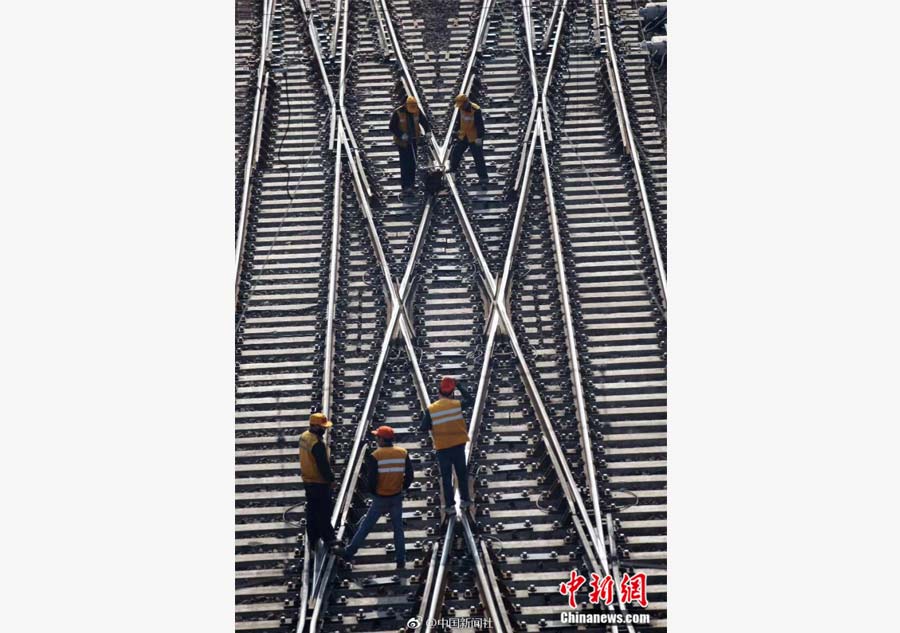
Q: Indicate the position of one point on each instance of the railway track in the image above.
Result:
(247, 35)
(370, 594)
(411, 292)
(618, 314)
(282, 299)
(641, 80)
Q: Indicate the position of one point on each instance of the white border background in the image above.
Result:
(117, 448)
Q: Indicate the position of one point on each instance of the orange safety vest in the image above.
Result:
(403, 116)
(391, 470)
(448, 428)
(309, 470)
(467, 128)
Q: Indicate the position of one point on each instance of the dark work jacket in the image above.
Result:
(479, 127)
(395, 121)
(318, 453)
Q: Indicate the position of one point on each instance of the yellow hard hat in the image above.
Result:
(411, 104)
(460, 100)
(319, 419)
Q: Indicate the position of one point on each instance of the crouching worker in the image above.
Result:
(389, 474)
(445, 420)
(318, 480)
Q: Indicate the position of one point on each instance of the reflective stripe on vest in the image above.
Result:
(467, 127)
(391, 470)
(309, 469)
(448, 427)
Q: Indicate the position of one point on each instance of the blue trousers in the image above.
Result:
(450, 459)
(381, 505)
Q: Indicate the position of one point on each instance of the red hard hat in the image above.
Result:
(447, 386)
(384, 432)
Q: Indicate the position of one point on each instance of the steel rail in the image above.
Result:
(332, 119)
(500, 317)
(529, 46)
(354, 463)
(584, 526)
(487, 583)
(466, 84)
(428, 587)
(399, 319)
(492, 578)
(328, 369)
(254, 145)
(487, 590)
(562, 276)
(342, 504)
(529, 26)
(408, 83)
(433, 599)
(594, 547)
(338, 141)
(581, 415)
(406, 329)
(342, 89)
(571, 346)
(546, 41)
(304, 587)
(336, 105)
(337, 26)
(498, 292)
(484, 581)
(548, 132)
(612, 68)
(382, 40)
(259, 104)
(614, 568)
(574, 361)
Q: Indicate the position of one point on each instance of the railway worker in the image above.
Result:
(318, 480)
(448, 434)
(470, 136)
(408, 125)
(389, 473)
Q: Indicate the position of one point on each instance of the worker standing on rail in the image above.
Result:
(448, 433)
(408, 125)
(318, 480)
(470, 136)
(389, 473)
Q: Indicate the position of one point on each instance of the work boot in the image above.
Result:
(401, 564)
(464, 504)
(483, 183)
(450, 509)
